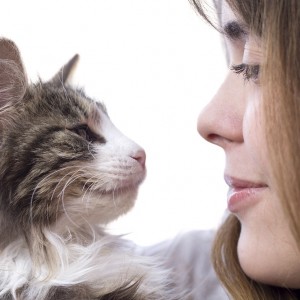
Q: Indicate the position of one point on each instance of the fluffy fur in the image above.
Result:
(65, 172)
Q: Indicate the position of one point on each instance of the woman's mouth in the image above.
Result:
(242, 193)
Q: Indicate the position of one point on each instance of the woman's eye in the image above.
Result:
(86, 133)
(249, 72)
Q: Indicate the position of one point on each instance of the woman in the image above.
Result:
(255, 118)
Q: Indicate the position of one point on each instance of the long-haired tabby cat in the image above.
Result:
(64, 169)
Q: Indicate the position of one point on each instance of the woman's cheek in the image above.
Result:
(253, 131)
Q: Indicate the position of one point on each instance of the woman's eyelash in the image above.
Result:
(248, 71)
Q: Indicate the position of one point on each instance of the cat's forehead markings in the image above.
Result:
(96, 114)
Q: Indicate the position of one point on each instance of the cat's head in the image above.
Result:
(62, 159)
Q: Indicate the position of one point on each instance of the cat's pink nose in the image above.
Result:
(140, 156)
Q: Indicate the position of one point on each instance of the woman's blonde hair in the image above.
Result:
(277, 22)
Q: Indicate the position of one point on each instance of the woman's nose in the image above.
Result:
(221, 121)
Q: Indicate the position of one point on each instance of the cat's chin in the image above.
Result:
(119, 205)
(97, 207)
(112, 204)
(122, 188)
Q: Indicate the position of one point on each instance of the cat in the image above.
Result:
(65, 172)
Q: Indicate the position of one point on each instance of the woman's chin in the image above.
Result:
(268, 263)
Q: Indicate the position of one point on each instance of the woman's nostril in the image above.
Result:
(212, 137)
(217, 140)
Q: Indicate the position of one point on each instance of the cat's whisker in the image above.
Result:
(76, 225)
(61, 194)
(89, 180)
(62, 198)
(52, 174)
(89, 193)
(61, 179)
(67, 184)
(38, 185)
(85, 189)
(99, 184)
(94, 186)
(69, 181)
(84, 194)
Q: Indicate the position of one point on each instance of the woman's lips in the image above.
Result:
(242, 193)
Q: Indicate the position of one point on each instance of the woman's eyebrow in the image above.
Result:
(234, 30)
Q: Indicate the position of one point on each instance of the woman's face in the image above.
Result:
(233, 120)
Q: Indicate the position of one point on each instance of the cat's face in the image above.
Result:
(64, 161)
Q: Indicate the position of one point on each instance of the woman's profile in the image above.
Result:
(254, 117)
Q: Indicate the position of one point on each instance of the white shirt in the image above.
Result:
(188, 256)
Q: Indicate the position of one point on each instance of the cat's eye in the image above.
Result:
(86, 133)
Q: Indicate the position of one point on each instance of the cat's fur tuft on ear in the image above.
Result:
(65, 72)
(13, 81)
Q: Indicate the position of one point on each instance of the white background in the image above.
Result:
(155, 64)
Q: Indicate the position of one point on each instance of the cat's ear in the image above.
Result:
(13, 80)
(64, 74)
